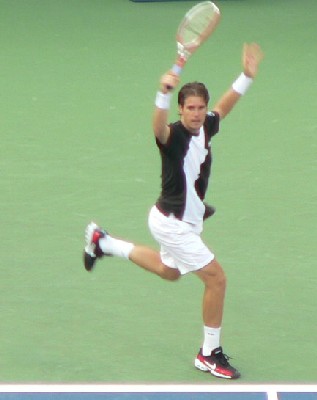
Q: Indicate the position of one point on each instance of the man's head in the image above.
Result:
(193, 89)
(193, 101)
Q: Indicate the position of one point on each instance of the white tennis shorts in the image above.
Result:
(181, 244)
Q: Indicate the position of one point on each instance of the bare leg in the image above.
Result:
(214, 279)
(151, 261)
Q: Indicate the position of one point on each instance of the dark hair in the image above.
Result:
(197, 89)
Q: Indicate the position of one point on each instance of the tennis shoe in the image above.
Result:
(92, 252)
(217, 364)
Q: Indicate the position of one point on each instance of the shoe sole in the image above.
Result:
(89, 261)
(202, 367)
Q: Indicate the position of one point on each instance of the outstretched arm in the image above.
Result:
(162, 103)
(252, 56)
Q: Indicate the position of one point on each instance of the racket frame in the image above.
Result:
(185, 50)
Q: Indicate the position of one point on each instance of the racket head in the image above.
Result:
(197, 25)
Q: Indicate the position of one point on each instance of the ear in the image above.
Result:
(180, 109)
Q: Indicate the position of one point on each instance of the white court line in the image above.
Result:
(272, 395)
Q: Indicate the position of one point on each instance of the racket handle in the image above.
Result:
(177, 69)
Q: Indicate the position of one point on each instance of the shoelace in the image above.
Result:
(223, 358)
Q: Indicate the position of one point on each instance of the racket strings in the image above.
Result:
(196, 24)
(194, 30)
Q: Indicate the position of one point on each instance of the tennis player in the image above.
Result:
(176, 220)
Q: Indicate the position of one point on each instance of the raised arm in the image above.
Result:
(252, 56)
(162, 104)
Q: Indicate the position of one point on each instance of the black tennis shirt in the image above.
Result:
(186, 163)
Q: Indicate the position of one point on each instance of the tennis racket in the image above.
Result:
(197, 25)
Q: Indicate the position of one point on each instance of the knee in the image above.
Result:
(215, 276)
(217, 282)
(170, 274)
(221, 280)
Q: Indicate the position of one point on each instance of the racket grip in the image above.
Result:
(177, 69)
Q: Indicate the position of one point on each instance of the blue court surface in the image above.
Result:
(155, 396)
(168, 392)
(136, 396)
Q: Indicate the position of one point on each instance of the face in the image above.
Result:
(193, 113)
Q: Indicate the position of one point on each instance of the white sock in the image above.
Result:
(211, 340)
(116, 247)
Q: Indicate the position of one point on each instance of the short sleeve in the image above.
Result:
(211, 124)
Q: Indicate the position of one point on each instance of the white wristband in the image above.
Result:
(242, 84)
(163, 100)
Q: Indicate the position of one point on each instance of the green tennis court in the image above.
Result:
(78, 81)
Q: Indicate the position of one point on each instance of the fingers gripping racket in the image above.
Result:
(197, 25)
